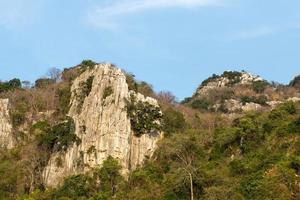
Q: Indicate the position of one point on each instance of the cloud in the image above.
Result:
(106, 16)
(17, 13)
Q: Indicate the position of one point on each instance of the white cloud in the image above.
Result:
(105, 16)
(17, 13)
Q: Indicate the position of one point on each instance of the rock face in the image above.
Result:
(102, 125)
(6, 137)
(242, 78)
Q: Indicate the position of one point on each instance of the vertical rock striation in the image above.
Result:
(98, 107)
(6, 137)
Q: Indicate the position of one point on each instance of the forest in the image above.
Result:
(209, 154)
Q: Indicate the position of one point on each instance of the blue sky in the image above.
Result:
(172, 44)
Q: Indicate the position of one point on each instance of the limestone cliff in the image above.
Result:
(6, 137)
(98, 108)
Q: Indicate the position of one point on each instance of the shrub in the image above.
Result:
(259, 86)
(107, 92)
(262, 100)
(44, 82)
(201, 104)
(10, 85)
(173, 121)
(131, 82)
(64, 96)
(296, 82)
(233, 76)
(60, 137)
(144, 117)
(88, 64)
(210, 79)
(87, 86)
(141, 87)
(84, 91)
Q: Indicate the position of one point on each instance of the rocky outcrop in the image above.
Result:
(98, 107)
(215, 82)
(6, 137)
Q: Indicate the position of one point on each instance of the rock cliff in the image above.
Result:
(6, 137)
(98, 108)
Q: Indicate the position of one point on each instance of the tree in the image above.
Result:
(184, 154)
(296, 82)
(54, 73)
(26, 84)
(174, 121)
(109, 176)
(166, 97)
(44, 82)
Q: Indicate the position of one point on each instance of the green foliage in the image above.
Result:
(84, 91)
(88, 64)
(144, 117)
(10, 85)
(18, 112)
(131, 82)
(141, 87)
(201, 104)
(259, 86)
(210, 79)
(75, 187)
(87, 86)
(107, 92)
(101, 183)
(173, 121)
(59, 137)
(44, 82)
(91, 150)
(110, 176)
(64, 96)
(262, 100)
(9, 173)
(233, 76)
(295, 82)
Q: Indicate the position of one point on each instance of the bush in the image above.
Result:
(173, 121)
(201, 104)
(107, 92)
(64, 96)
(60, 137)
(10, 85)
(144, 117)
(262, 100)
(88, 64)
(296, 82)
(87, 86)
(259, 86)
(44, 82)
(141, 87)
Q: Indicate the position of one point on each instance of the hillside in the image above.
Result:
(94, 132)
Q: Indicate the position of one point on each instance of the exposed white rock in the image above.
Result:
(235, 106)
(220, 82)
(103, 127)
(274, 104)
(293, 99)
(6, 137)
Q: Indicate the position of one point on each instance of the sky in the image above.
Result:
(172, 44)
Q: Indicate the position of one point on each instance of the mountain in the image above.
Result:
(94, 132)
(236, 92)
